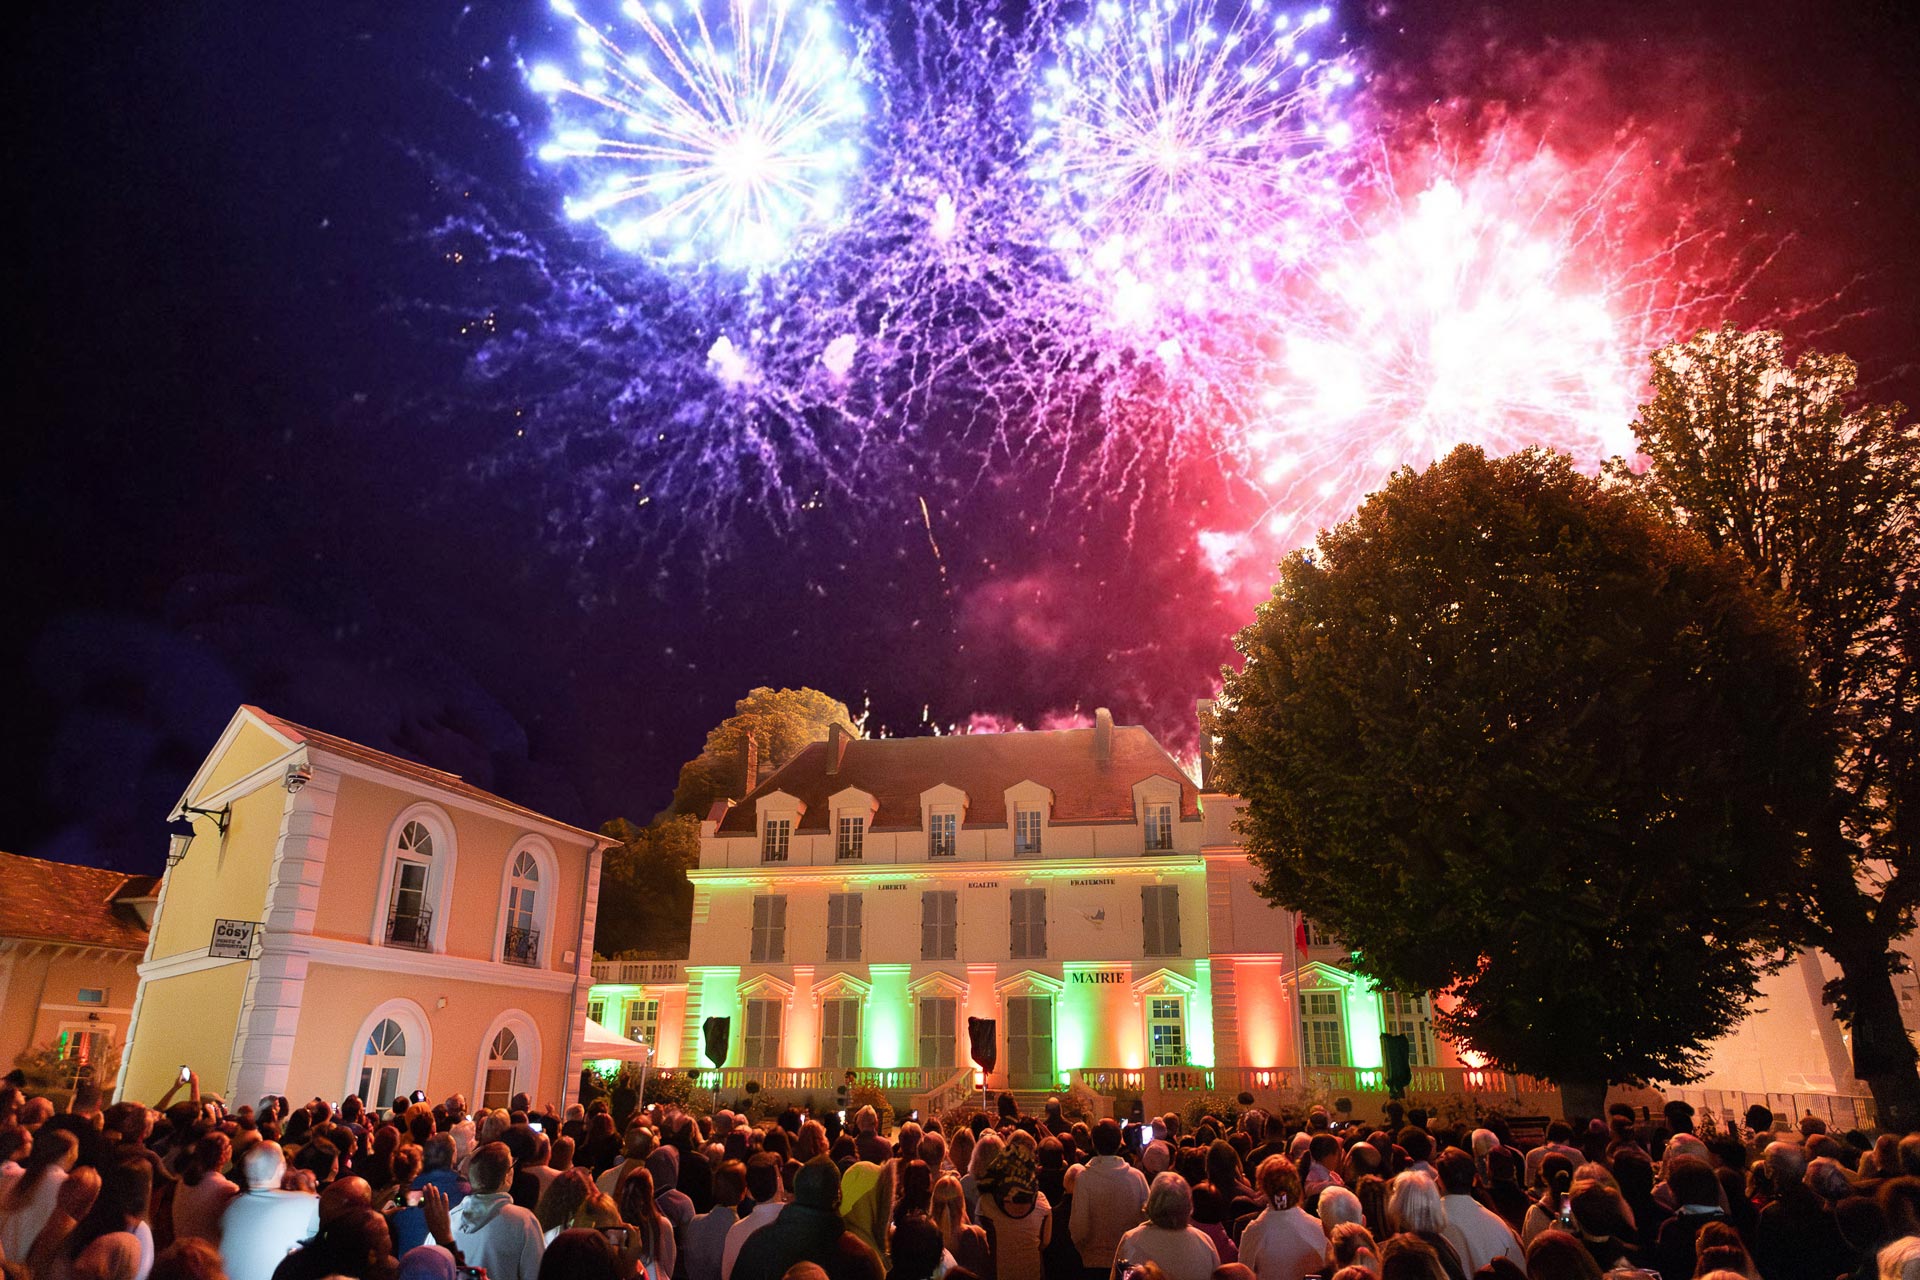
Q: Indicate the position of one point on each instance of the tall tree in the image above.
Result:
(780, 722)
(646, 900)
(1521, 742)
(1772, 460)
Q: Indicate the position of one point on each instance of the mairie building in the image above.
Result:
(859, 904)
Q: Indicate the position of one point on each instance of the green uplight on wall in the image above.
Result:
(889, 1030)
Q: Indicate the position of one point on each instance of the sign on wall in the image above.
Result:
(232, 939)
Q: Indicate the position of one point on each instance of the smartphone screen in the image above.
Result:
(536, 1126)
(414, 1198)
(185, 1074)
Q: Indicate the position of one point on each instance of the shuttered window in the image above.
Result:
(843, 926)
(769, 929)
(1027, 911)
(1160, 919)
(939, 924)
(763, 1033)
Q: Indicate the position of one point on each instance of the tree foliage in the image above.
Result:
(780, 722)
(1771, 460)
(646, 900)
(1519, 741)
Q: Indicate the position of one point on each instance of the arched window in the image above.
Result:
(383, 1064)
(410, 908)
(521, 945)
(503, 1069)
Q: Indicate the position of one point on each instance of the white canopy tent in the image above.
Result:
(601, 1045)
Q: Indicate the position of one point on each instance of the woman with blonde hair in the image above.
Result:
(866, 1201)
(1168, 1237)
(1414, 1208)
(965, 1240)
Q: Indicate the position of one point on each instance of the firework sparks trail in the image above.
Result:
(1412, 291)
(725, 140)
(1185, 150)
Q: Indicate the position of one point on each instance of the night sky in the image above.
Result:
(245, 461)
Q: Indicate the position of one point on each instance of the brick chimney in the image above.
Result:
(836, 749)
(750, 765)
(1203, 712)
(1102, 736)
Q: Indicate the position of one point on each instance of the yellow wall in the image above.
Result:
(363, 817)
(188, 1018)
(252, 748)
(338, 1000)
(220, 878)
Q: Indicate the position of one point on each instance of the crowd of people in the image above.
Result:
(186, 1190)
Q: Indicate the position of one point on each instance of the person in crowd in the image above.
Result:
(1795, 1237)
(437, 1159)
(1478, 1234)
(1603, 1222)
(1351, 1245)
(204, 1190)
(1167, 1238)
(580, 1254)
(31, 1198)
(1017, 1218)
(986, 1149)
(1696, 1193)
(764, 1190)
(353, 1243)
(1284, 1242)
(965, 1240)
(189, 1258)
(75, 1199)
(488, 1228)
(868, 1145)
(1109, 1200)
(650, 1247)
(808, 1230)
(263, 1224)
(704, 1247)
(119, 1210)
(1414, 1208)
(1556, 1255)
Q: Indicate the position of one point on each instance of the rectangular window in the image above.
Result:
(1026, 832)
(843, 926)
(1160, 919)
(1323, 1039)
(769, 929)
(939, 1015)
(773, 845)
(761, 1045)
(92, 995)
(943, 830)
(1319, 937)
(852, 838)
(839, 1034)
(643, 1020)
(1167, 1031)
(939, 924)
(1027, 912)
(1159, 828)
(1412, 1017)
(597, 1011)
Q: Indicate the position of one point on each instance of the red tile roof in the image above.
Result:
(411, 769)
(63, 903)
(895, 771)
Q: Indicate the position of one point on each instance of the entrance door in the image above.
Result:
(1030, 1042)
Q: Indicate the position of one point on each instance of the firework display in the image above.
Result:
(719, 136)
(1182, 150)
(1145, 244)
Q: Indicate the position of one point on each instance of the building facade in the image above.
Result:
(857, 907)
(71, 939)
(345, 921)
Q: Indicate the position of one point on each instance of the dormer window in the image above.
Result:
(774, 842)
(1159, 835)
(850, 838)
(1026, 831)
(943, 834)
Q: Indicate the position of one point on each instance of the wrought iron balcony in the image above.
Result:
(410, 929)
(522, 946)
